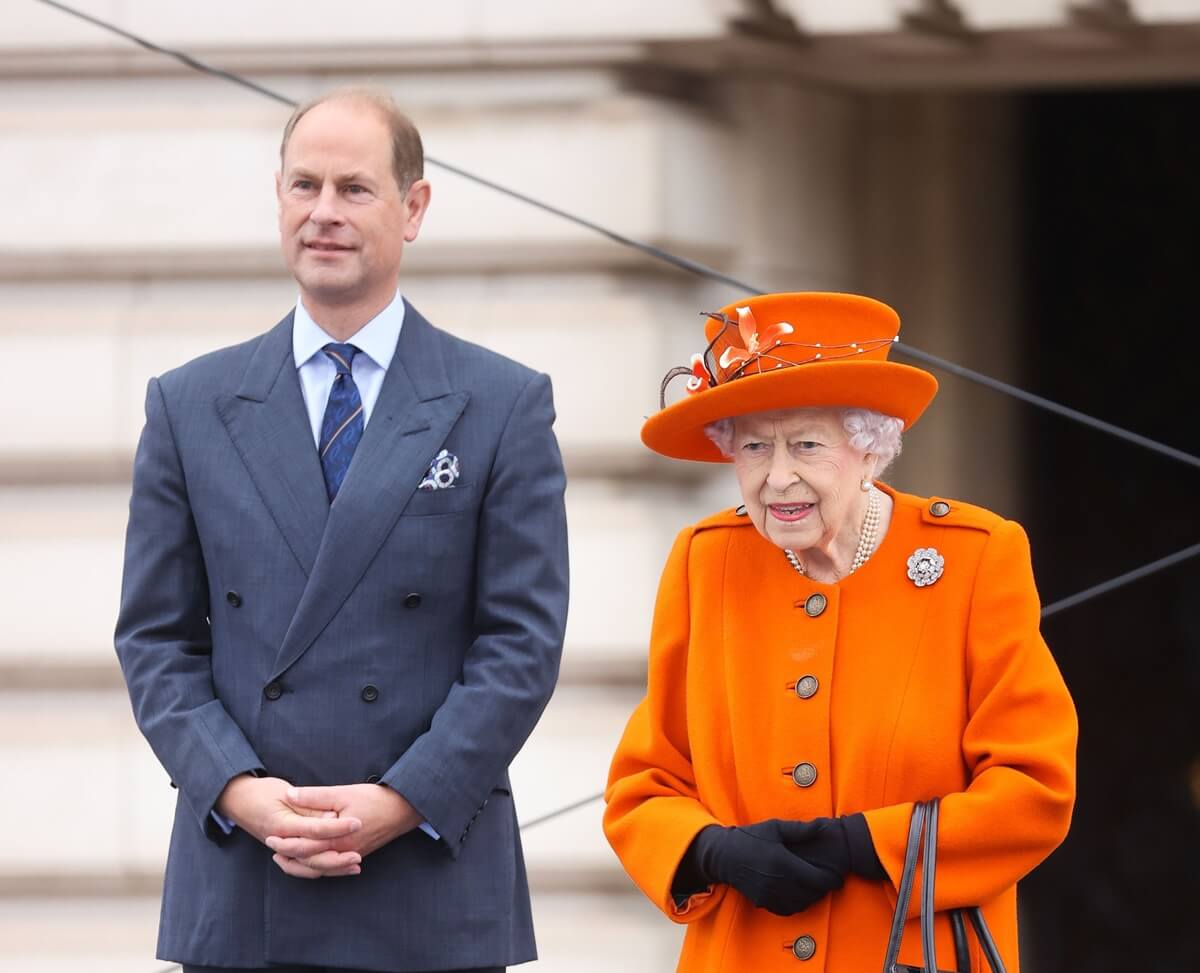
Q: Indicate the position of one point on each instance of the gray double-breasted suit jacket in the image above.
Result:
(405, 636)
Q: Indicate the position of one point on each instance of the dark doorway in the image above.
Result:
(1112, 197)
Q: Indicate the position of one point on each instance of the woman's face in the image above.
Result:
(800, 478)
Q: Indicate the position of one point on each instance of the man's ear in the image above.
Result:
(416, 203)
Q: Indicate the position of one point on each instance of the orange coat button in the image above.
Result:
(804, 775)
(815, 604)
(807, 686)
(804, 948)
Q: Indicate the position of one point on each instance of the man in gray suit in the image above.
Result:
(344, 598)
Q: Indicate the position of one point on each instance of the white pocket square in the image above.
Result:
(442, 473)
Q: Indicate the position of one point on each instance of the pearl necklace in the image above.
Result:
(866, 538)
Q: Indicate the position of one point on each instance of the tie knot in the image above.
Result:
(342, 356)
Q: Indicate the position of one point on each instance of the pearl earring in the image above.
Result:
(865, 486)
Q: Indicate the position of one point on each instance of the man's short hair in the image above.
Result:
(408, 155)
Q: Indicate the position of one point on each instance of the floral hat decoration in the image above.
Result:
(786, 351)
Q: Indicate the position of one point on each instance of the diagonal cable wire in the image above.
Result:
(1104, 587)
(675, 260)
(1041, 402)
(183, 56)
(559, 812)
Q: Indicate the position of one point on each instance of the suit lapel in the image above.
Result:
(268, 423)
(413, 416)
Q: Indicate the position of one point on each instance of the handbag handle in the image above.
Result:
(904, 892)
(928, 878)
(922, 837)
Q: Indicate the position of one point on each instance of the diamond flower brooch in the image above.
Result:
(925, 566)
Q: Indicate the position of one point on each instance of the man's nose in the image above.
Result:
(327, 211)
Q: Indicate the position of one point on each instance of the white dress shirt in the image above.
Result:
(376, 341)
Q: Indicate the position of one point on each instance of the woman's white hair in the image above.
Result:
(866, 430)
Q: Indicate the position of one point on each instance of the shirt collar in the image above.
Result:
(376, 339)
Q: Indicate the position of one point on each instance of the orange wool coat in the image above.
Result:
(946, 690)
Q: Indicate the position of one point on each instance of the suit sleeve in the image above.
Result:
(1018, 744)
(653, 805)
(163, 639)
(510, 669)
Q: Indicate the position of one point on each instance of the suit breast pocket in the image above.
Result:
(451, 500)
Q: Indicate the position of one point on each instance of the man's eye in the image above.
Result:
(302, 184)
(356, 190)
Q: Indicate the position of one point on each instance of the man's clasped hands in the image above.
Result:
(317, 832)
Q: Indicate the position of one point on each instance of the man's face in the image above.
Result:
(343, 221)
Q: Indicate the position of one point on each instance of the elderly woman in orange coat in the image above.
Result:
(825, 656)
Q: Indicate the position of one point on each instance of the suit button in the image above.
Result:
(804, 775)
(804, 948)
(939, 508)
(273, 691)
(373, 779)
(233, 598)
(370, 694)
(806, 688)
(815, 604)
(412, 600)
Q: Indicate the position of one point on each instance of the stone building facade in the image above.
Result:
(794, 144)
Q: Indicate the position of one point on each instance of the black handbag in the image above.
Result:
(922, 830)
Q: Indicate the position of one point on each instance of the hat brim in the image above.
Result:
(883, 386)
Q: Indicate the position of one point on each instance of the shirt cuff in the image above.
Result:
(429, 830)
(223, 823)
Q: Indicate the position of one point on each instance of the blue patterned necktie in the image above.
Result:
(342, 427)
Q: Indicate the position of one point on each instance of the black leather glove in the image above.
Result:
(842, 844)
(755, 861)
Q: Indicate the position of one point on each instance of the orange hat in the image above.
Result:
(787, 351)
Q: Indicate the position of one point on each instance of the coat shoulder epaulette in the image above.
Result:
(732, 517)
(944, 512)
